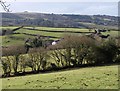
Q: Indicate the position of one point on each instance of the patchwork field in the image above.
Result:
(52, 33)
(104, 77)
(59, 51)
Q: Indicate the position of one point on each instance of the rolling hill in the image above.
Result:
(59, 20)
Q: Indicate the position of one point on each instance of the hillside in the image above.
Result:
(59, 20)
(105, 77)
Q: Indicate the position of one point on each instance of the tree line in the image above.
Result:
(72, 51)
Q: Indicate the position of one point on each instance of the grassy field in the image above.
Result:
(104, 77)
(12, 27)
(60, 29)
(14, 39)
(19, 38)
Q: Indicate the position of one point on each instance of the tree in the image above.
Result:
(12, 54)
(22, 63)
(32, 43)
(6, 65)
(37, 42)
(5, 6)
(15, 63)
(57, 56)
(104, 53)
(32, 61)
(67, 46)
(75, 49)
(16, 52)
(42, 57)
(109, 50)
(39, 57)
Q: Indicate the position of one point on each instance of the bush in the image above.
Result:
(104, 53)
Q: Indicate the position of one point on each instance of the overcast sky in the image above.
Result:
(93, 7)
(62, 0)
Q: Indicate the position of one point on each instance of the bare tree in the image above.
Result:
(39, 57)
(17, 51)
(56, 55)
(5, 6)
(22, 63)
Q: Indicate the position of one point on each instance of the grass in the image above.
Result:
(6, 40)
(12, 27)
(61, 29)
(39, 32)
(54, 34)
(112, 33)
(104, 77)
(9, 41)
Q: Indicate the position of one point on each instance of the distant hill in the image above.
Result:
(59, 20)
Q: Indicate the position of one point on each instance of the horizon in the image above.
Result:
(26, 12)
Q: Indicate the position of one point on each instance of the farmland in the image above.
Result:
(59, 51)
(54, 33)
(99, 77)
(8, 41)
(104, 77)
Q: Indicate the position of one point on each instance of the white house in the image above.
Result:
(54, 43)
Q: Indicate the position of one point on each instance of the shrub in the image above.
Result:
(103, 53)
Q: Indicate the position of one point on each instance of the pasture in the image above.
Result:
(18, 39)
(53, 33)
(101, 77)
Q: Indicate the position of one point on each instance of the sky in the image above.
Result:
(62, 0)
(83, 7)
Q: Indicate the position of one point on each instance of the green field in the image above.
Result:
(104, 77)
(19, 38)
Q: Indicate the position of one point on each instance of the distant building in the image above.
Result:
(54, 43)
